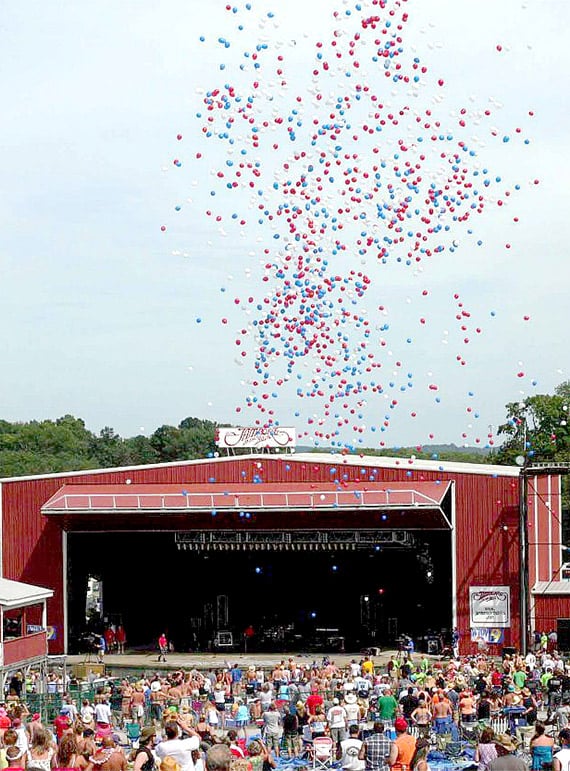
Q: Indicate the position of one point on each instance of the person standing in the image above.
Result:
(561, 759)
(121, 638)
(376, 749)
(349, 751)
(403, 748)
(162, 647)
(272, 729)
(336, 718)
(179, 749)
(387, 707)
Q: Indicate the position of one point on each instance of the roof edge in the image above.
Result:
(378, 461)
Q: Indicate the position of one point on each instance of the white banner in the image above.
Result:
(275, 436)
(490, 606)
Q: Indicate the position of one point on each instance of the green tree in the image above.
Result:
(537, 428)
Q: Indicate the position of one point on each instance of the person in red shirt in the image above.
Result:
(163, 647)
(61, 724)
(109, 635)
(121, 638)
(315, 700)
(5, 721)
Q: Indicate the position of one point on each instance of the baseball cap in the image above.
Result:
(401, 724)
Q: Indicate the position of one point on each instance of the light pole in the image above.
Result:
(522, 461)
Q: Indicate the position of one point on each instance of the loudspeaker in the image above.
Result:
(563, 632)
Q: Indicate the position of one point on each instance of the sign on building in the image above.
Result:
(274, 436)
(495, 636)
(490, 606)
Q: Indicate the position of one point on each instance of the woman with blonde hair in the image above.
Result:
(68, 755)
(41, 753)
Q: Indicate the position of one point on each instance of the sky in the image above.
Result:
(123, 302)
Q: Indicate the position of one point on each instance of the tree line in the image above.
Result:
(535, 430)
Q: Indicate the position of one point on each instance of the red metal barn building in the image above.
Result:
(371, 546)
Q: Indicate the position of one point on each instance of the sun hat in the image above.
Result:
(506, 742)
(169, 764)
(147, 732)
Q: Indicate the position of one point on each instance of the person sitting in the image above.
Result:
(541, 748)
(486, 750)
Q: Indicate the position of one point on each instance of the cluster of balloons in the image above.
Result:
(345, 173)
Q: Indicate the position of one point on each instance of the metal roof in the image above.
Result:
(15, 594)
(366, 461)
(178, 498)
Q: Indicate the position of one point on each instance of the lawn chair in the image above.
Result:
(322, 752)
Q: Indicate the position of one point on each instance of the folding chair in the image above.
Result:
(322, 752)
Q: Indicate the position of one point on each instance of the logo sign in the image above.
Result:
(274, 436)
(490, 606)
(487, 635)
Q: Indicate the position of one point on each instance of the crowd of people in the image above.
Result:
(373, 718)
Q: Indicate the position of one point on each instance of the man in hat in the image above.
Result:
(403, 747)
(336, 718)
(144, 755)
(506, 759)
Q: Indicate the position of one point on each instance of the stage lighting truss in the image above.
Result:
(297, 540)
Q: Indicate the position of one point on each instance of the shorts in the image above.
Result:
(292, 743)
(221, 707)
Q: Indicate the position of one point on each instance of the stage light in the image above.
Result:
(258, 570)
(366, 598)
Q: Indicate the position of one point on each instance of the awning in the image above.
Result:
(81, 501)
(15, 594)
(551, 587)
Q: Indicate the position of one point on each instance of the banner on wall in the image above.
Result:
(490, 606)
(488, 635)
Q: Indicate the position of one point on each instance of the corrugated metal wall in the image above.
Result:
(487, 536)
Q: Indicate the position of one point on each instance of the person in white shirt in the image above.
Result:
(352, 708)
(179, 749)
(336, 718)
(103, 714)
(561, 759)
(349, 751)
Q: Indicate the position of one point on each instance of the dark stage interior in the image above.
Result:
(369, 596)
